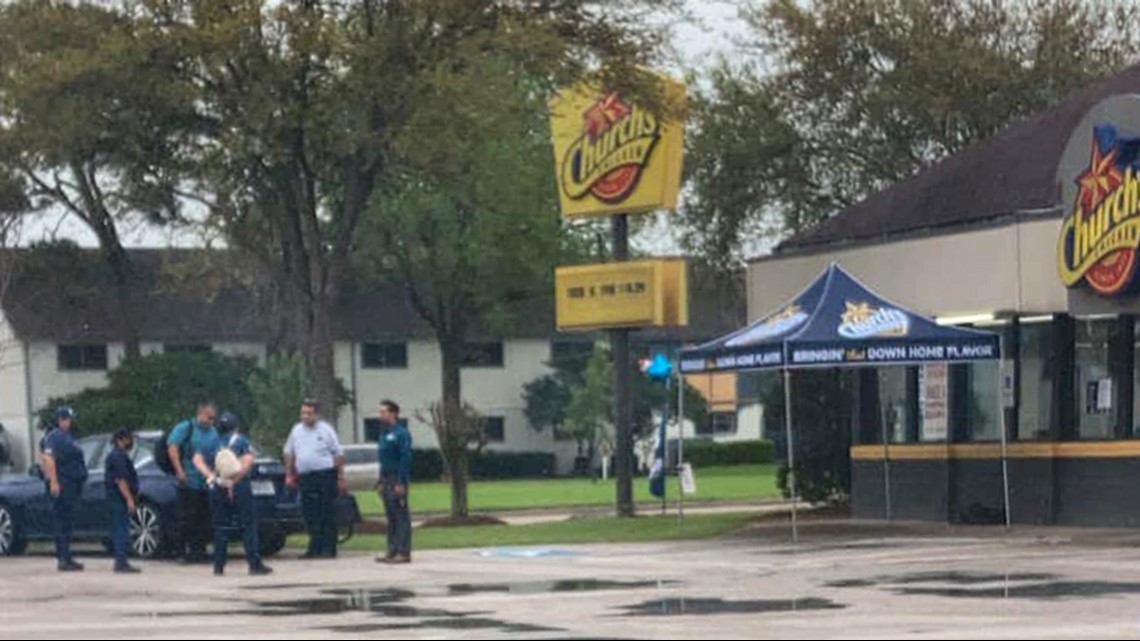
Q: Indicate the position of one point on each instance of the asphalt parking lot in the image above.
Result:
(845, 583)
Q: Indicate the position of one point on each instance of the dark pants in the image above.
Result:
(63, 506)
(193, 521)
(318, 505)
(120, 530)
(241, 513)
(399, 520)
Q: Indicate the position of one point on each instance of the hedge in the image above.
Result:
(703, 453)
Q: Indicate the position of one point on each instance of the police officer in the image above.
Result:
(231, 497)
(395, 475)
(65, 472)
(121, 489)
(314, 462)
(186, 439)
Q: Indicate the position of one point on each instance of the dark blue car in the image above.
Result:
(26, 515)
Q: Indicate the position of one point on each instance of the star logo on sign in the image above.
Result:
(857, 313)
(1100, 179)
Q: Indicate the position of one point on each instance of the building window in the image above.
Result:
(571, 352)
(384, 356)
(1036, 381)
(372, 429)
(483, 354)
(82, 357)
(1095, 418)
(718, 424)
(494, 428)
(187, 348)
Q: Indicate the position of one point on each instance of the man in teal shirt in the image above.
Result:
(395, 476)
(190, 437)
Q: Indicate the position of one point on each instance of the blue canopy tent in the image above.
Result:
(839, 322)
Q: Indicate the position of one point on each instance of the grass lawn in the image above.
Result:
(736, 483)
(593, 530)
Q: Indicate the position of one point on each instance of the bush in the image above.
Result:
(512, 465)
(701, 453)
(159, 390)
(427, 465)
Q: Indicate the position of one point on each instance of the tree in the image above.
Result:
(159, 390)
(821, 432)
(589, 412)
(274, 392)
(308, 108)
(88, 127)
(846, 97)
(576, 400)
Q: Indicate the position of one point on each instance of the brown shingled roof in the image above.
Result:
(1010, 172)
(199, 296)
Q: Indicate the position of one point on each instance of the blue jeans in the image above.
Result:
(63, 507)
(241, 512)
(120, 530)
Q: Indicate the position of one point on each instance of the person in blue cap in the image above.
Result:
(121, 485)
(231, 494)
(65, 472)
(395, 477)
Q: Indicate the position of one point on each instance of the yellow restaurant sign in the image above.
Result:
(613, 156)
(634, 294)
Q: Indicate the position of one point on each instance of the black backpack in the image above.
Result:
(162, 450)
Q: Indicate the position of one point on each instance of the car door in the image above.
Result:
(91, 513)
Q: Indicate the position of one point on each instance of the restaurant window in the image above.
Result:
(982, 412)
(1093, 393)
(82, 357)
(1036, 381)
(894, 405)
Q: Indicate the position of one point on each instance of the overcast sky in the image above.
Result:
(698, 43)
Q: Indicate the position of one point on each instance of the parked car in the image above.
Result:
(26, 515)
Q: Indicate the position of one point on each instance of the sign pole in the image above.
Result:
(680, 447)
(791, 452)
(623, 410)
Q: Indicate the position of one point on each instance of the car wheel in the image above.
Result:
(146, 531)
(272, 541)
(12, 543)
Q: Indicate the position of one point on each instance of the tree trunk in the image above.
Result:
(453, 442)
(457, 473)
(119, 262)
(322, 369)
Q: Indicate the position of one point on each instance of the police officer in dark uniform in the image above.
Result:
(65, 472)
(231, 496)
(121, 485)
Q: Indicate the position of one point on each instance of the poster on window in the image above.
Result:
(935, 393)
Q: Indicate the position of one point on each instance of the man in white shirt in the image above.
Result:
(314, 462)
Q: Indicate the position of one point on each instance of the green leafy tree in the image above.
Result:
(157, 391)
(821, 428)
(576, 400)
(846, 97)
(275, 393)
(88, 126)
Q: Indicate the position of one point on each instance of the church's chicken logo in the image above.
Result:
(607, 159)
